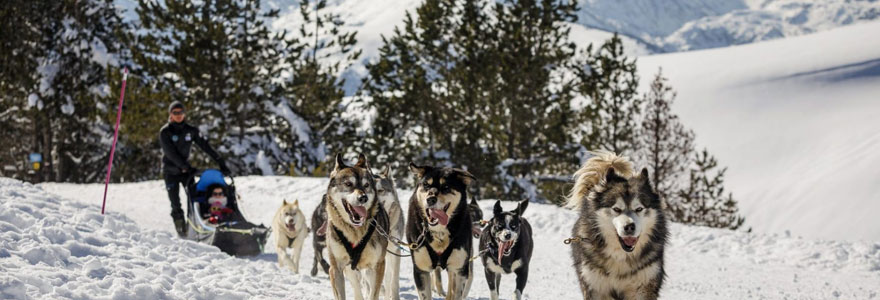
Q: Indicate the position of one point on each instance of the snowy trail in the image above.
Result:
(54, 244)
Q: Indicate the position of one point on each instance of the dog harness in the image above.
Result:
(438, 259)
(355, 250)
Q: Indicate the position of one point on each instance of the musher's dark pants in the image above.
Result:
(172, 185)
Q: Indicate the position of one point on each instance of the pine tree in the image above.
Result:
(405, 88)
(665, 145)
(255, 63)
(60, 51)
(703, 201)
(609, 81)
(18, 33)
(137, 150)
(317, 54)
(531, 104)
(471, 86)
(221, 60)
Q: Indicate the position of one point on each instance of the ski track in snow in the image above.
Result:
(55, 244)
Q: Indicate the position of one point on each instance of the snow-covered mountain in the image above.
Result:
(55, 244)
(677, 25)
(796, 120)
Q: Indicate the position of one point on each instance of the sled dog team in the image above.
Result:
(617, 242)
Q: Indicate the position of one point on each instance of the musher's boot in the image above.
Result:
(180, 225)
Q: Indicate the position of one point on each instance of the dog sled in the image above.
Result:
(221, 224)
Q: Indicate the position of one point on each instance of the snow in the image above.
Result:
(55, 244)
(795, 120)
(262, 162)
(680, 25)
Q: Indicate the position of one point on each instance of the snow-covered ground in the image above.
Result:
(55, 244)
(796, 120)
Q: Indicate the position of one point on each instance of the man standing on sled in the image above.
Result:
(176, 139)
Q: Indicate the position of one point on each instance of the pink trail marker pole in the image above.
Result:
(115, 136)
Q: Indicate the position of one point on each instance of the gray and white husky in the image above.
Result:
(619, 237)
(387, 192)
(355, 215)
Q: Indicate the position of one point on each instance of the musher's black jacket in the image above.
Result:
(176, 140)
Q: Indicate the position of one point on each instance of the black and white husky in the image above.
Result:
(355, 215)
(506, 247)
(440, 225)
(619, 237)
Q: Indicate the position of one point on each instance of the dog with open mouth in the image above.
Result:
(507, 248)
(619, 237)
(476, 229)
(290, 228)
(355, 215)
(440, 226)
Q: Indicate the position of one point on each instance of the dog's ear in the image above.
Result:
(362, 162)
(644, 182)
(296, 202)
(386, 172)
(497, 210)
(644, 176)
(340, 164)
(522, 207)
(466, 177)
(611, 176)
(474, 202)
(417, 170)
(284, 201)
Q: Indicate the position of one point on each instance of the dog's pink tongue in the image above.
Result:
(360, 210)
(630, 241)
(502, 248)
(440, 215)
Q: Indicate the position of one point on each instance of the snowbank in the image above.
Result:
(56, 248)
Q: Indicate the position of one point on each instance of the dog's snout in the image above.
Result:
(432, 200)
(362, 199)
(507, 235)
(629, 228)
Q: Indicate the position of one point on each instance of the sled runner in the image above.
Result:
(217, 223)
